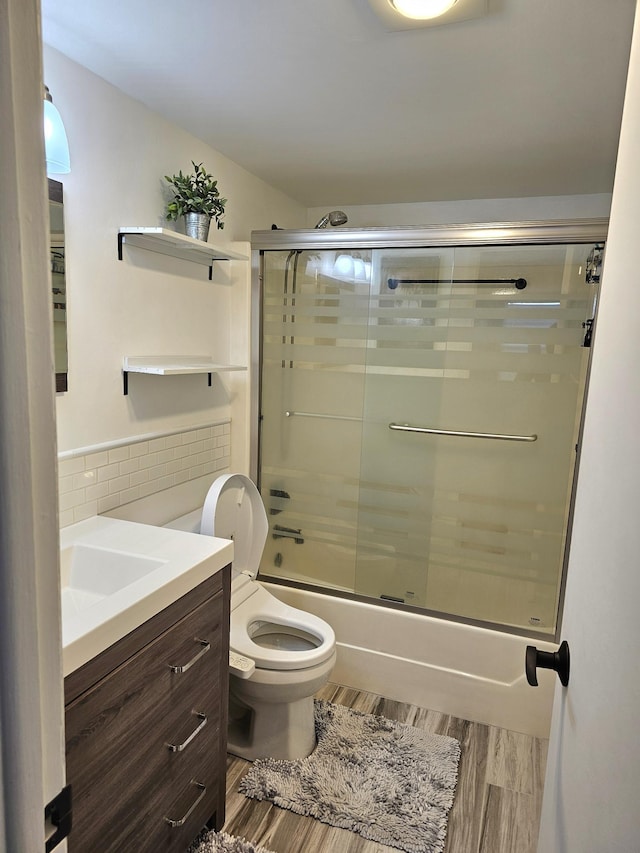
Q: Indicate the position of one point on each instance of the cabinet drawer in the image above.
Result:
(118, 760)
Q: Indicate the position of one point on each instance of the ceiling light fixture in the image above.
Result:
(422, 10)
(400, 15)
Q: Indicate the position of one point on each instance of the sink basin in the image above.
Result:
(115, 575)
(88, 574)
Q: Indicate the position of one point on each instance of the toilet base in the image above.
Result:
(285, 731)
(271, 713)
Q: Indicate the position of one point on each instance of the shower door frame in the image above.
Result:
(550, 232)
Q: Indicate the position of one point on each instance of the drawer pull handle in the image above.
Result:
(205, 648)
(181, 821)
(180, 746)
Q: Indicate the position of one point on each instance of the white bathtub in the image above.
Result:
(456, 669)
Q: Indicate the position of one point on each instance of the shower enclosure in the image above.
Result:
(419, 396)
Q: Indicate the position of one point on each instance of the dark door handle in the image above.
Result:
(559, 661)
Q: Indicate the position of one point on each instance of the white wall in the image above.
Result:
(593, 771)
(472, 210)
(147, 304)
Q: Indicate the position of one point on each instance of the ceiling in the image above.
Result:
(321, 100)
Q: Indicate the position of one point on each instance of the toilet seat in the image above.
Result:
(262, 607)
(233, 509)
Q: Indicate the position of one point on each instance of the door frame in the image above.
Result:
(31, 694)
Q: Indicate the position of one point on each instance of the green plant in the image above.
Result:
(195, 193)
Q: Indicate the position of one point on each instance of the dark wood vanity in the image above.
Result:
(146, 728)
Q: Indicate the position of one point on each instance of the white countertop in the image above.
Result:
(165, 563)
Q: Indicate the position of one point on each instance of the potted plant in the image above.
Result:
(196, 197)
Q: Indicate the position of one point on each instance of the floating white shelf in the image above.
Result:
(166, 242)
(172, 365)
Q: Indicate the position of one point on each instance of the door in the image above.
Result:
(593, 772)
(31, 704)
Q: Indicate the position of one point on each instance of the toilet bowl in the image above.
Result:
(279, 655)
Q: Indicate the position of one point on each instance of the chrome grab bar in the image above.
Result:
(498, 436)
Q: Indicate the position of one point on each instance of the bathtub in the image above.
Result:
(457, 669)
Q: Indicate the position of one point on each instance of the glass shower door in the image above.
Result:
(485, 343)
(315, 331)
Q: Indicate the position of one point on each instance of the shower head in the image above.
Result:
(336, 217)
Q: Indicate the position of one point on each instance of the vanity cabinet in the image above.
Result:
(146, 725)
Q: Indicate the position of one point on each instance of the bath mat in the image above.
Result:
(387, 781)
(220, 842)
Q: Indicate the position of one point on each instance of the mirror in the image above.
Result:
(58, 282)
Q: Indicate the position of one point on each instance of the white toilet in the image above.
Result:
(279, 656)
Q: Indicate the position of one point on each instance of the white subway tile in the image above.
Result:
(148, 488)
(87, 478)
(86, 510)
(96, 460)
(166, 482)
(72, 499)
(129, 495)
(118, 484)
(67, 467)
(65, 484)
(149, 460)
(139, 477)
(65, 518)
(100, 490)
(140, 448)
(157, 471)
(119, 454)
(101, 481)
(108, 472)
(105, 504)
(129, 466)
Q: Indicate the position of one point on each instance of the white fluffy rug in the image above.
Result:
(220, 842)
(387, 781)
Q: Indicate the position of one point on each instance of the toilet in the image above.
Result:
(279, 656)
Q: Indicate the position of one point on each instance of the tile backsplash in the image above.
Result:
(99, 479)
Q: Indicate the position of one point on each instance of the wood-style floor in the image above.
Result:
(497, 803)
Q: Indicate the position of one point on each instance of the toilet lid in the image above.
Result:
(233, 509)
